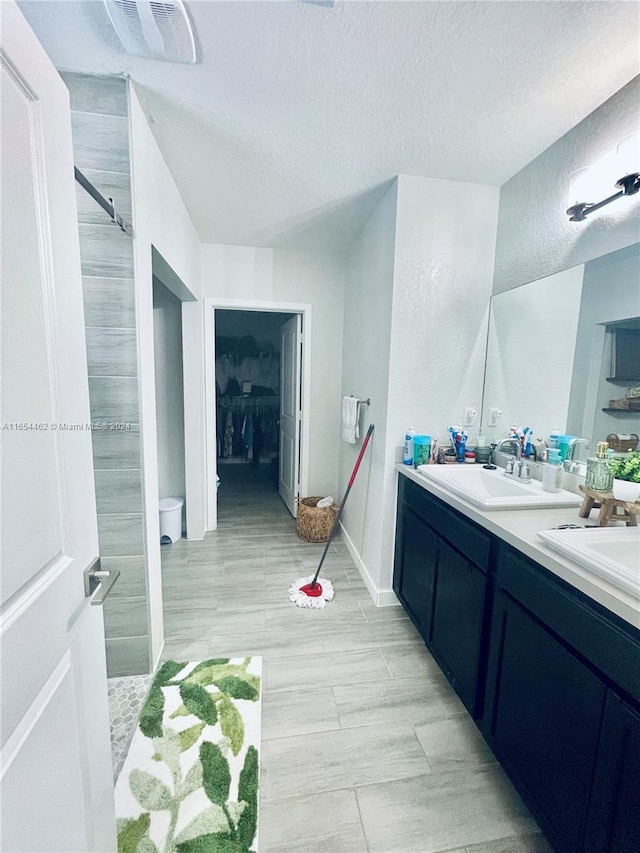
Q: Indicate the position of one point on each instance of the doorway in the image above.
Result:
(250, 367)
(253, 394)
(167, 337)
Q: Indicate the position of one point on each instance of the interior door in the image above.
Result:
(56, 773)
(290, 411)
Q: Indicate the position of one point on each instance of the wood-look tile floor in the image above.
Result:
(365, 746)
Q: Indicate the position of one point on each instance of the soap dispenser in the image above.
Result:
(599, 476)
(552, 474)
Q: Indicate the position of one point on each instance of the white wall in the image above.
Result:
(160, 219)
(445, 243)
(530, 354)
(279, 276)
(365, 373)
(167, 324)
(426, 256)
(535, 236)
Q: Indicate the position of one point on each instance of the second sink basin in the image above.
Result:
(612, 553)
(492, 490)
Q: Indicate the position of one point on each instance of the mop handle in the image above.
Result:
(344, 500)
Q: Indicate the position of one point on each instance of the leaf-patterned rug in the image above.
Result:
(189, 783)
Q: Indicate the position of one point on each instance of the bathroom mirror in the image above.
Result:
(551, 351)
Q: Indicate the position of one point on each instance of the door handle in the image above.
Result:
(98, 583)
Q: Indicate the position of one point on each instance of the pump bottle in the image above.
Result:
(552, 474)
(599, 475)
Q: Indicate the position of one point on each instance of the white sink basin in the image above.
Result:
(492, 490)
(612, 553)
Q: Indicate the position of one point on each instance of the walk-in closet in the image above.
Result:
(248, 377)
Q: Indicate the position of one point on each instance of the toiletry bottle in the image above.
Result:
(407, 456)
(553, 437)
(552, 474)
(599, 476)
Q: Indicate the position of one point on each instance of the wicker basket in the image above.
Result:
(622, 445)
(312, 523)
(619, 404)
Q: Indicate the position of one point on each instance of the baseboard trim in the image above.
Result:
(380, 597)
(158, 659)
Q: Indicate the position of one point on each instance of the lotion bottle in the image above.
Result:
(552, 474)
(407, 455)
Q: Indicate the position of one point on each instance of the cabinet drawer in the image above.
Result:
(612, 648)
(463, 535)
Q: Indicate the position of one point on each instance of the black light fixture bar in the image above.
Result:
(629, 185)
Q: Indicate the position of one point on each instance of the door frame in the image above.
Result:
(210, 306)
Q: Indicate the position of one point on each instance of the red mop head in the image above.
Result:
(302, 593)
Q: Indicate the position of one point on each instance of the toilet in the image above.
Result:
(170, 520)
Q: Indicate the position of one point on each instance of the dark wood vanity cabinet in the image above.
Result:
(456, 626)
(614, 814)
(416, 560)
(553, 715)
(543, 720)
(551, 677)
(440, 577)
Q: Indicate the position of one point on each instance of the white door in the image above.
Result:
(290, 411)
(56, 777)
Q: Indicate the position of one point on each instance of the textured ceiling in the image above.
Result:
(289, 130)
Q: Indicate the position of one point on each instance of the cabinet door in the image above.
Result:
(457, 621)
(545, 709)
(416, 557)
(614, 815)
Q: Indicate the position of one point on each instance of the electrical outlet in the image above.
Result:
(494, 416)
(470, 417)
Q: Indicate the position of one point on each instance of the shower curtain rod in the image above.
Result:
(107, 206)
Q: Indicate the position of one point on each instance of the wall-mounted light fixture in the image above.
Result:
(588, 182)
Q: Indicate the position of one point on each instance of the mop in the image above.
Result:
(313, 591)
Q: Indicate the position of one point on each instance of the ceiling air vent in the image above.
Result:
(154, 30)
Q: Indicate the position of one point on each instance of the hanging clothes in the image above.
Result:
(248, 438)
(228, 436)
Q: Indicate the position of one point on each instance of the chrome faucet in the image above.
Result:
(570, 464)
(518, 468)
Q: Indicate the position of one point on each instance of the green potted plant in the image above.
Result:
(626, 476)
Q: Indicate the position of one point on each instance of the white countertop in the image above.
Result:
(519, 528)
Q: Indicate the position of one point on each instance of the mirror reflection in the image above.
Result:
(563, 353)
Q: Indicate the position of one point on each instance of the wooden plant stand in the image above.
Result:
(610, 508)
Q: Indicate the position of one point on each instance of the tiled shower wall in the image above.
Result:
(99, 113)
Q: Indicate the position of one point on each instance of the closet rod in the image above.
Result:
(107, 206)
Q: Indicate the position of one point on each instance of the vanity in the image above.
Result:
(544, 655)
